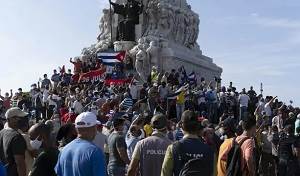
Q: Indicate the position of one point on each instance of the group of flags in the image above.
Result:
(191, 78)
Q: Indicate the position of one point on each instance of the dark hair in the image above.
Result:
(249, 123)
(64, 131)
(189, 122)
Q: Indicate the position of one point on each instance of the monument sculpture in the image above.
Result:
(130, 13)
(161, 33)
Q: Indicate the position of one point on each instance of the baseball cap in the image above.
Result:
(159, 122)
(15, 112)
(86, 119)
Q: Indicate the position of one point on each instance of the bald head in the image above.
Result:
(39, 129)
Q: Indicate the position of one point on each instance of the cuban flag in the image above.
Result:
(111, 58)
(192, 78)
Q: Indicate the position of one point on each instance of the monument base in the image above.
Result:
(192, 60)
(123, 45)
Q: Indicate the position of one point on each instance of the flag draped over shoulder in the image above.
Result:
(111, 58)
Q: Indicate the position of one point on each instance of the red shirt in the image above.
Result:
(69, 117)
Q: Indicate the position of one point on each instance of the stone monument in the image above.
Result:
(163, 33)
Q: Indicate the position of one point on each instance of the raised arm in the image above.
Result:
(272, 99)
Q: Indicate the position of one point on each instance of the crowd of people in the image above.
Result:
(171, 125)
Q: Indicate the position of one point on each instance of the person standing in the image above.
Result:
(12, 144)
(191, 147)
(244, 102)
(81, 157)
(247, 143)
(118, 157)
(40, 139)
(149, 153)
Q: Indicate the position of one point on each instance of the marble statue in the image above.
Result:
(166, 37)
(153, 53)
(130, 12)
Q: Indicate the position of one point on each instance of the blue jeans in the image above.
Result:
(115, 170)
(179, 111)
(243, 113)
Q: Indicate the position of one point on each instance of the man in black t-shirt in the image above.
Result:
(40, 136)
(118, 157)
(12, 144)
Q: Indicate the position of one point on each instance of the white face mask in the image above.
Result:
(36, 144)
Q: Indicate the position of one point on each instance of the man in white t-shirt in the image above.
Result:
(268, 108)
(244, 101)
(134, 91)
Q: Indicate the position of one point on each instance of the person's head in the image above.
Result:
(135, 131)
(228, 127)
(118, 124)
(45, 76)
(251, 88)
(20, 90)
(86, 125)
(244, 91)
(163, 84)
(69, 71)
(159, 122)
(40, 136)
(190, 122)
(6, 95)
(289, 130)
(14, 116)
(249, 126)
(67, 132)
(55, 71)
(23, 124)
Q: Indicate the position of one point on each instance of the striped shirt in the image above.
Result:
(127, 103)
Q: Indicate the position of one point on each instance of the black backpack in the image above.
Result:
(192, 166)
(234, 166)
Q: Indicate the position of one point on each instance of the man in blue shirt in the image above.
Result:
(81, 157)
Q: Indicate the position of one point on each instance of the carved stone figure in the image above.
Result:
(130, 12)
(153, 54)
(104, 37)
(142, 65)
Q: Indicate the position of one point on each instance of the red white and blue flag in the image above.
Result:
(111, 58)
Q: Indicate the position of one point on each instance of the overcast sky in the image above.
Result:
(253, 41)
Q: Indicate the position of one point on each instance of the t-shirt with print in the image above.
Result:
(11, 143)
(116, 140)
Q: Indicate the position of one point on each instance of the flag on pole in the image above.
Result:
(111, 58)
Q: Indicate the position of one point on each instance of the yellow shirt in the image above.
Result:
(181, 98)
(148, 129)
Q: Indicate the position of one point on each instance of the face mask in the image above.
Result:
(222, 131)
(36, 144)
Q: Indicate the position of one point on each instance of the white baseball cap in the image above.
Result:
(15, 112)
(86, 119)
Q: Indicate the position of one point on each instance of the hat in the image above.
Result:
(15, 112)
(298, 116)
(291, 114)
(86, 119)
(159, 122)
(118, 121)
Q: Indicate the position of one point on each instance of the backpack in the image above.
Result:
(192, 166)
(234, 157)
(210, 96)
